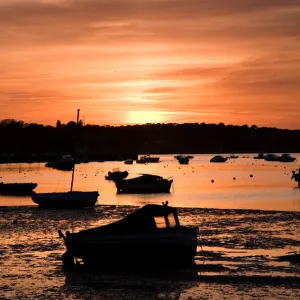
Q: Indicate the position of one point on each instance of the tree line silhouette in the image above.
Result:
(19, 139)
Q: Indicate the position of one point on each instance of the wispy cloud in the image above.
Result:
(214, 59)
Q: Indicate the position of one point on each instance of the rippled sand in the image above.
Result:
(236, 257)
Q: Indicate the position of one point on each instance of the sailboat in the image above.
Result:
(71, 199)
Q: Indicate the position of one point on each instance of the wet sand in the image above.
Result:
(236, 257)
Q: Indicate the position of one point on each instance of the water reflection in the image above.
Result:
(269, 187)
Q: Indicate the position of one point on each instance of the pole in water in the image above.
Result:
(78, 110)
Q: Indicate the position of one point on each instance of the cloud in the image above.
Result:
(212, 57)
(93, 22)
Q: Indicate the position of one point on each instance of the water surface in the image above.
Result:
(270, 188)
(244, 225)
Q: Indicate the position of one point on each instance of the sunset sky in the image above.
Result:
(139, 61)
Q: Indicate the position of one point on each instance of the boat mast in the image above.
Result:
(73, 169)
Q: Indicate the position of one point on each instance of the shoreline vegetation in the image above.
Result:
(32, 142)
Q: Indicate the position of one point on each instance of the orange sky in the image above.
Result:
(139, 61)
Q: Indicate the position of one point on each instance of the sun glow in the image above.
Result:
(145, 116)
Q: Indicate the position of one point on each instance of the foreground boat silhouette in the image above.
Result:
(149, 235)
(17, 188)
(71, 199)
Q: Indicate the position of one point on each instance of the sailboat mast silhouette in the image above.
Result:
(73, 169)
(71, 199)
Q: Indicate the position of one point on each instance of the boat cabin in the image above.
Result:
(147, 219)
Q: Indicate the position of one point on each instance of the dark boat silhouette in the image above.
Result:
(218, 159)
(260, 155)
(151, 235)
(272, 157)
(17, 188)
(128, 161)
(64, 163)
(71, 199)
(116, 175)
(148, 159)
(183, 160)
(146, 183)
(286, 157)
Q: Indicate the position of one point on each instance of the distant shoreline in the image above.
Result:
(102, 157)
(34, 142)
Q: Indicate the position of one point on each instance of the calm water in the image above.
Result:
(244, 224)
(270, 188)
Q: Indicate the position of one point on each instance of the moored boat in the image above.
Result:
(70, 199)
(151, 235)
(65, 163)
(232, 156)
(148, 159)
(183, 160)
(146, 183)
(260, 155)
(116, 174)
(286, 157)
(17, 188)
(128, 161)
(272, 157)
(218, 159)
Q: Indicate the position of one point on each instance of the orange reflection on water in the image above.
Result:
(270, 188)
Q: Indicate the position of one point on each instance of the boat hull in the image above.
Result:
(66, 200)
(138, 188)
(115, 176)
(17, 188)
(135, 249)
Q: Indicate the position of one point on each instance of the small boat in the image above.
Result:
(148, 159)
(218, 159)
(260, 156)
(128, 161)
(146, 183)
(178, 157)
(150, 235)
(116, 174)
(17, 188)
(71, 199)
(232, 156)
(65, 163)
(183, 160)
(292, 258)
(287, 158)
(272, 157)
